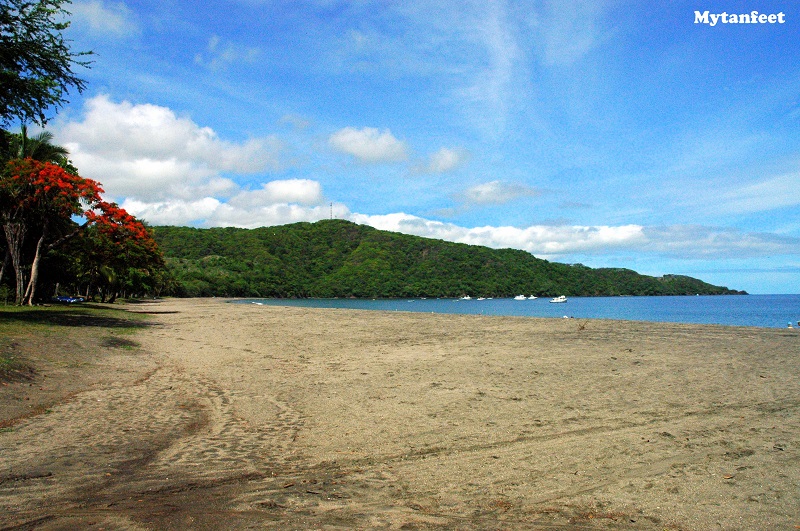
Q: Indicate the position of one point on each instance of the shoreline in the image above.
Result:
(302, 418)
(764, 311)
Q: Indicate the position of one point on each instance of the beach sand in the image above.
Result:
(243, 416)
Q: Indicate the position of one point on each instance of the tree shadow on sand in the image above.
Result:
(74, 317)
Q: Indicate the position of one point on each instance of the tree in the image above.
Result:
(36, 63)
(40, 196)
(120, 252)
(38, 147)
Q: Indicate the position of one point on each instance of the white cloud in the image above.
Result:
(444, 160)
(146, 151)
(173, 211)
(275, 203)
(244, 213)
(496, 193)
(269, 215)
(220, 54)
(541, 240)
(300, 191)
(104, 18)
(714, 243)
(369, 144)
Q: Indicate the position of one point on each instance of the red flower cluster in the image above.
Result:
(47, 188)
(116, 225)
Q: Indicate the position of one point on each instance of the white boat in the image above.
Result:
(560, 298)
(481, 298)
(466, 298)
(532, 297)
(520, 298)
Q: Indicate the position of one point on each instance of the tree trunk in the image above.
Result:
(30, 292)
(6, 261)
(15, 237)
(89, 287)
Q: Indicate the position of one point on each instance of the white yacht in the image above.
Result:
(560, 298)
(520, 298)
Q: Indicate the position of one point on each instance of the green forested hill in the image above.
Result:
(336, 258)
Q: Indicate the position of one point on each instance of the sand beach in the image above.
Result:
(221, 416)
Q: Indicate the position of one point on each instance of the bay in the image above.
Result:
(767, 311)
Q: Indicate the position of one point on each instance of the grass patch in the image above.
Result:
(119, 342)
(13, 370)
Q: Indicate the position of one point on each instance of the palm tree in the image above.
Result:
(38, 147)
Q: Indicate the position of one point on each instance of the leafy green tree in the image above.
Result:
(36, 63)
(38, 147)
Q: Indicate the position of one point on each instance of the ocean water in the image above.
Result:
(769, 311)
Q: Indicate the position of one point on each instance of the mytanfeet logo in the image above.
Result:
(753, 17)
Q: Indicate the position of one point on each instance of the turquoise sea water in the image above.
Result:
(770, 311)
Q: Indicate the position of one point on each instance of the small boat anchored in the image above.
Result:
(560, 298)
(520, 298)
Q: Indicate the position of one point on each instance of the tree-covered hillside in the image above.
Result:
(336, 258)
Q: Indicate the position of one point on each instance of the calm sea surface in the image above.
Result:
(769, 311)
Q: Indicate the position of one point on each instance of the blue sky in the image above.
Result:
(613, 134)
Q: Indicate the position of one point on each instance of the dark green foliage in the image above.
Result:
(336, 258)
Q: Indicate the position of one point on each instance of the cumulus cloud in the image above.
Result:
(541, 240)
(443, 161)
(104, 18)
(242, 212)
(269, 215)
(173, 211)
(275, 203)
(369, 145)
(148, 152)
(496, 193)
(299, 191)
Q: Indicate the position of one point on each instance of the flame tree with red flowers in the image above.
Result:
(119, 253)
(38, 201)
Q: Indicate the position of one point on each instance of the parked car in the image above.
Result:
(66, 299)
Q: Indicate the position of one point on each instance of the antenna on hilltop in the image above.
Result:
(331, 210)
